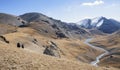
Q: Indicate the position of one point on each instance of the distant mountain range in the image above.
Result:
(101, 23)
(82, 29)
(45, 25)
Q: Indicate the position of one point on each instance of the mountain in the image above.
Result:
(45, 35)
(101, 23)
(42, 35)
(49, 26)
(9, 23)
(38, 42)
(86, 23)
(11, 20)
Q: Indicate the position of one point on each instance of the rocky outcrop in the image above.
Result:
(52, 50)
(60, 35)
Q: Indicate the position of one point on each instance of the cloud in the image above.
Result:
(95, 3)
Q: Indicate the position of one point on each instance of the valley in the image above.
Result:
(110, 43)
(97, 60)
(33, 41)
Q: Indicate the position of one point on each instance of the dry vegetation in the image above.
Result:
(31, 57)
(72, 49)
(112, 44)
(12, 58)
(24, 47)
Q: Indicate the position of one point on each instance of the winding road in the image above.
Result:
(98, 48)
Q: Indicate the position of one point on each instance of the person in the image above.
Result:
(18, 45)
(111, 56)
(22, 46)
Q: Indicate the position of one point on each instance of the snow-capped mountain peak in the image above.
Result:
(98, 21)
(89, 23)
(101, 23)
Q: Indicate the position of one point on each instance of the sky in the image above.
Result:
(65, 10)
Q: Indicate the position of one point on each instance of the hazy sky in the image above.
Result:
(65, 10)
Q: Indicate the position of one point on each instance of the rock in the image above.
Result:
(52, 50)
(60, 35)
(4, 39)
(34, 41)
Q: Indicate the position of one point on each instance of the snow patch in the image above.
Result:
(100, 23)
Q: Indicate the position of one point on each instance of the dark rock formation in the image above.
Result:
(4, 39)
(34, 41)
(60, 35)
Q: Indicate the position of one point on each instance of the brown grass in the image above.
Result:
(112, 44)
(12, 58)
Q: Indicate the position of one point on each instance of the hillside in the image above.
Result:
(5, 29)
(17, 59)
(34, 41)
(24, 58)
(112, 44)
(48, 38)
(11, 20)
(72, 49)
(52, 27)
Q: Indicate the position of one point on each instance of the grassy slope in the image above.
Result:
(12, 58)
(31, 57)
(4, 29)
(72, 49)
(112, 44)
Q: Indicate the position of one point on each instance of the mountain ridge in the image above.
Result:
(11, 20)
(67, 29)
(101, 23)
